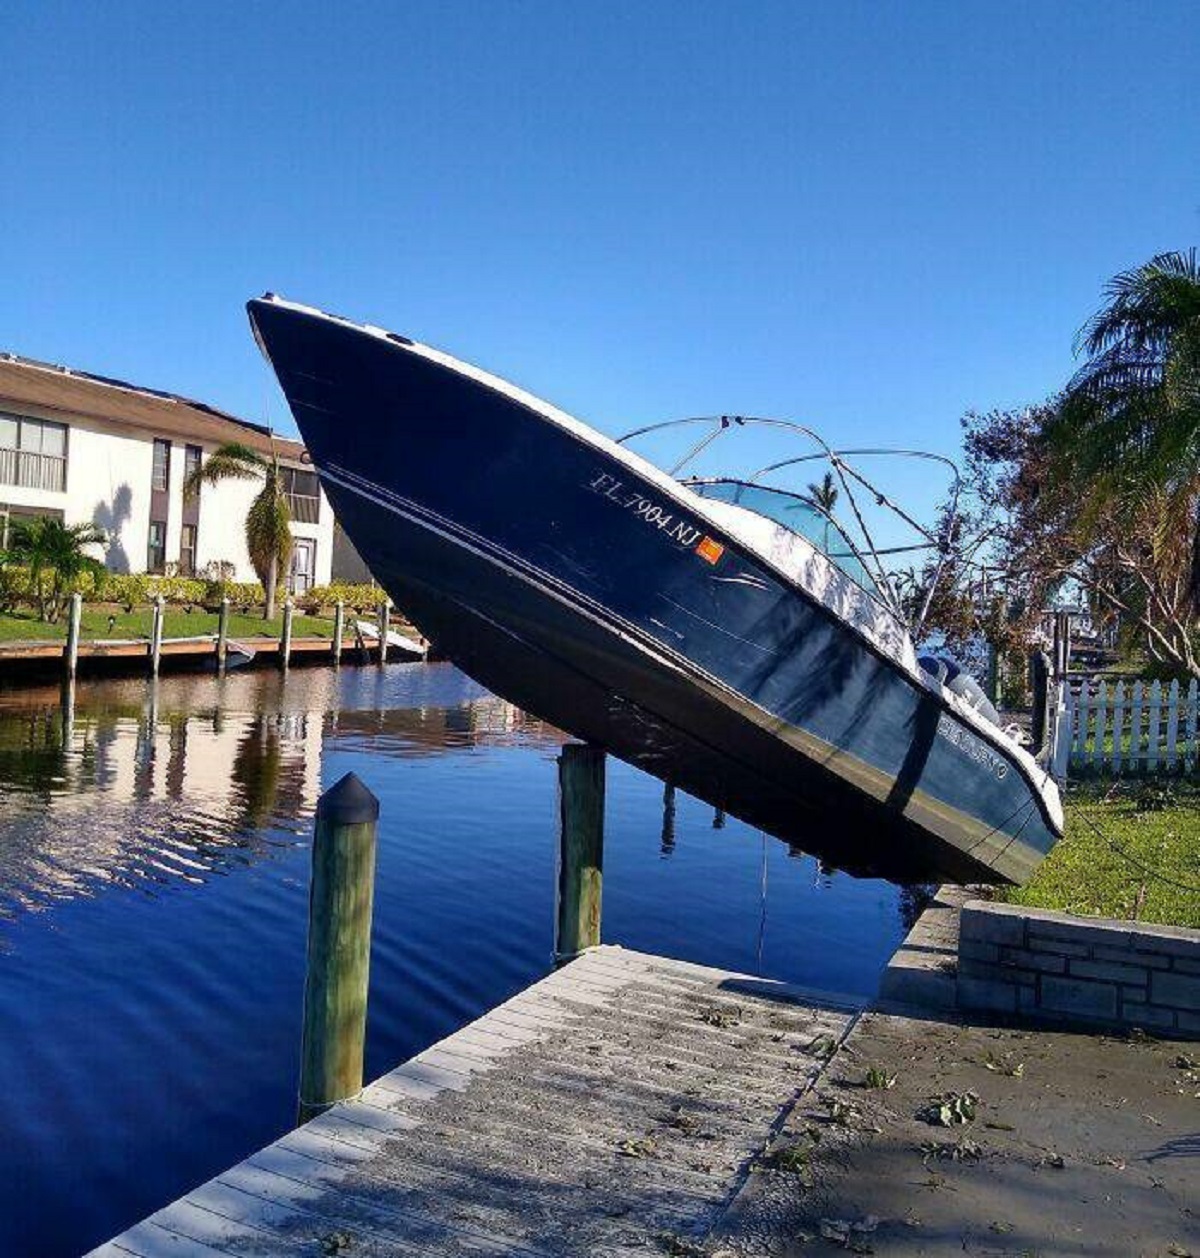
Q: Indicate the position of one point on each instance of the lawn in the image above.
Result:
(1151, 825)
(24, 626)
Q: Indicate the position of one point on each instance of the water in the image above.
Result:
(153, 898)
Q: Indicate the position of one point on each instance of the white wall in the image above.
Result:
(222, 532)
(108, 484)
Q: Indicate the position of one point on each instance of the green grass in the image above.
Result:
(1149, 825)
(24, 626)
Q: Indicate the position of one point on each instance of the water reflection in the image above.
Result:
(140, 783)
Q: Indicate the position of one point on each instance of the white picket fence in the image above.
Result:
(1127, 728)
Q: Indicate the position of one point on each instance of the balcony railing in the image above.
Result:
(33, 471)
(304, 509)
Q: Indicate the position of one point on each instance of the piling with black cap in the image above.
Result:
(580, 849)
(339, 946)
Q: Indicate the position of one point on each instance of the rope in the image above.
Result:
(1133, 860)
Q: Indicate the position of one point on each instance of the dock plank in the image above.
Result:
(624, 1097)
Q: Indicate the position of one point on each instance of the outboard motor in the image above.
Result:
(958, 681)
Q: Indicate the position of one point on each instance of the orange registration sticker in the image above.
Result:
(709, 550)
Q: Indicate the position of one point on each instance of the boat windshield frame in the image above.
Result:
(848, 476)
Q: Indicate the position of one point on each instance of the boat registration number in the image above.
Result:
(677, 530)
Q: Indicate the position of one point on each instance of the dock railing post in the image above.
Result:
(580, 850)
(384, 626)
(339, 947)
(285, 635)
(71, 650)
(223, 636)
(339, 625)
(156, 635)
(1040, 675)
(993, 682)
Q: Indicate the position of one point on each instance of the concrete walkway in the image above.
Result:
(1079, 1144)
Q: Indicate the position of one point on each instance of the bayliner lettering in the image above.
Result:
(971, 746)
(679, 531)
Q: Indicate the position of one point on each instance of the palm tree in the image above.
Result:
(46, 545)
(268, 531)
(1129, 421)
(825, 496)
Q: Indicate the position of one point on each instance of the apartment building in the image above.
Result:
(84, 448)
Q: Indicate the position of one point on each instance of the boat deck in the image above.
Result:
(615, 1107)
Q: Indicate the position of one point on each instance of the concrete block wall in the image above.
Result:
(1074, 970)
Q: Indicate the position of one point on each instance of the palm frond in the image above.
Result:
(231, 461)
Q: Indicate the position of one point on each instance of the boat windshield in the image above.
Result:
(797, 514)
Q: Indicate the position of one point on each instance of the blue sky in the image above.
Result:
(868, 216)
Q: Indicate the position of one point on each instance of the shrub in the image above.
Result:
(218, 577)
(137, 588)
(128, 588)
(14, 585)
(355, 597)
(245, 593)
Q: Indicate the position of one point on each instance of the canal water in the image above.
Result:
(154, 848)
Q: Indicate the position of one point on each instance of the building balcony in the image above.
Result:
(30, 470)
(304, 509)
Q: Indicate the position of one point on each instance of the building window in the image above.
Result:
(156, 547)
(161, 476)
(187, 551)
(12, 515)
(191, 462)
(33, 453)
(303, 494)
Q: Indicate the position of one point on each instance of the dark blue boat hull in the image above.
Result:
(567, 583)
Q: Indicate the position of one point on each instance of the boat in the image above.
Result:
(693, 626)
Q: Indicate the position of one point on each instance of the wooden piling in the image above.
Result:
(285, 635)
(994, 667)
(223, 636)
(384, 619)
(339, 624)
(1040, 672)
(156, 635)
(71, 650)
(580, 849)
(339, 947)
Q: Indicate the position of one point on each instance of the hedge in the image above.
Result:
(356, 597)
(132, 589)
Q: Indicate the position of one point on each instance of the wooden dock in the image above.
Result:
(139, 648)
(189, 649)
(615, 1107)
